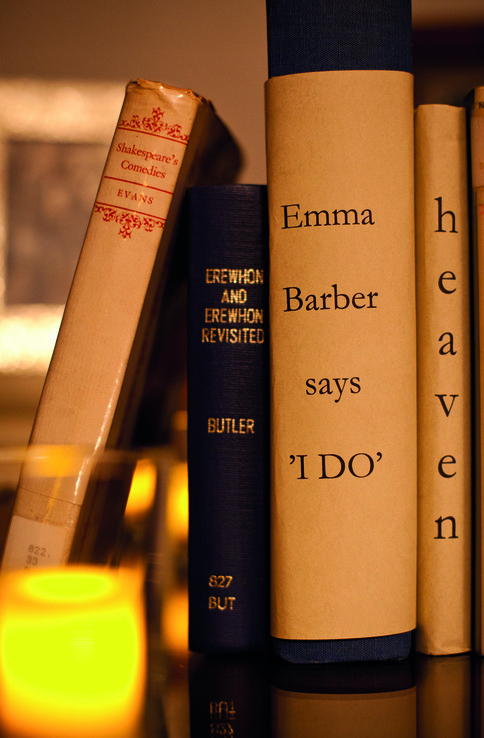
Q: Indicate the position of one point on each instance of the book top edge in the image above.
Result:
(146, 84)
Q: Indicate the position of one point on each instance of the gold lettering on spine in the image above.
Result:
(232, 335)
(231, 425)
(221, 603)
(234, 316)
(234, 276)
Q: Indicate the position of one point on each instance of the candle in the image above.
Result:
(73, 653)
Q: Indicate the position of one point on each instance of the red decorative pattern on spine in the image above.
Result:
(129, 221)
(156, 125)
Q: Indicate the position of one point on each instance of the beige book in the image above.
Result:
(166, 138)
(475, 107)
(444, 381)
(343, 354)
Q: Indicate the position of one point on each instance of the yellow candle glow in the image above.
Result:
(72, 652)
(177, 502)
(143, 488)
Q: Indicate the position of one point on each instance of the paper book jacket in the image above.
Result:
(88, 402)
(343, 334)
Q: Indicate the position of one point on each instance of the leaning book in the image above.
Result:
(166, 139)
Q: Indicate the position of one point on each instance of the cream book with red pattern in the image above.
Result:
(166, 139)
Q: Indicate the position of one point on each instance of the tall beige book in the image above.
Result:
(475, 108)
(166, 138)
(444, 381)
(343, 356)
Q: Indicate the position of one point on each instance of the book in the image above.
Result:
(474, 104)
(444, 381)
(339, 120)
(228, 418)
(164, 140)
(160, 376)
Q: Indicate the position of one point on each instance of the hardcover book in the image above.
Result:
(339, 120)
(164, 139)
(444, 381)
(228, 419)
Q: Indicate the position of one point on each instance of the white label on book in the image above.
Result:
(34, 545)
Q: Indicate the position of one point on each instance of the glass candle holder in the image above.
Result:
(73, 615)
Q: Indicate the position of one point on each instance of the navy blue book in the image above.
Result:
(339, 129)
(228, 418)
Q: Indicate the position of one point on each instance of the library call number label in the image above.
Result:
(217, 602)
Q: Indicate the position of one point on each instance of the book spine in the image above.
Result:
(444, 381)
(475, 107)
(228, 418)
(339, 120)
(343, 371)
(123, 240)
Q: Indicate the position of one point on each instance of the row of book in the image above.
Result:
(374, 341)
(324, 414)
(229, 430)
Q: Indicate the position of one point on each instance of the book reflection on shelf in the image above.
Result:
(364, 700)
(229, 695)
(444, 695)
(430, 696)
(54, 136)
